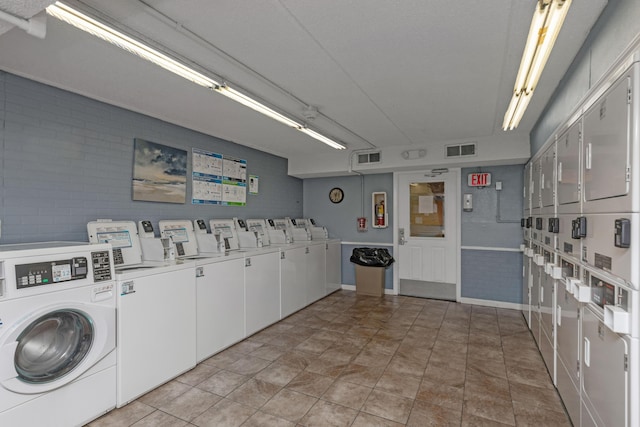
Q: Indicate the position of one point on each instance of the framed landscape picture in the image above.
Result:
(159, 173)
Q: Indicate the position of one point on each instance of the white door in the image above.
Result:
(428, 245)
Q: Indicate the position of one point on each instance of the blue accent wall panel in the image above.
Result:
(492, 275)
(66, 160)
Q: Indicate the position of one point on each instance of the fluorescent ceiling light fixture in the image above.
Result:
(91, 26)
(257, 106)
(98, 29)
(545, 26)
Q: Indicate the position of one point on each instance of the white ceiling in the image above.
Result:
(382, 73)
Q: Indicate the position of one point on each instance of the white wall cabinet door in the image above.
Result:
(315, 255)
(333, 266)
(293, 273)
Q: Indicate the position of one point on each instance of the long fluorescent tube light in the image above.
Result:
(91, 26)
(545, 26)
(255, 105)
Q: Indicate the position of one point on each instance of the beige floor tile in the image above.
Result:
(478, 383)
(222, 382)
(278, 373)
(164, 394)
(125, 416)
(367, 420)
(347, 394)
(473, 421)
(262, 419)
(403, 366)
(160, 419)
(254, 393)
(223, 359)
(314, 345)
(367, 376)
(325, 367)
(326, 414)
(246, 347)
(489, 407)
(248, 365)
(189, 405)
(494, 367)
(424, 414)
(310, 383)
(197, 374)
(268, 352)
(389, 406)
(225, 413)
(368, 357)
(532, 377)
(398, 384)
(289, 405)
(445, 373)
(536, 397)
(441, 395)
(530, 415)
(297, 359)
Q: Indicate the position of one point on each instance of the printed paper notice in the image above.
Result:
(218, 179)
(253, 184)
(425, 205)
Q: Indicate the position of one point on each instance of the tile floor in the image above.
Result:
(357, 361)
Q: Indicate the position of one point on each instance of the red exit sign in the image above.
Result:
(479, 179)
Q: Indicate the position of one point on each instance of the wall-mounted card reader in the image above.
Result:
(554, 225)
(145, 229)
(622, 237)
(579, 228)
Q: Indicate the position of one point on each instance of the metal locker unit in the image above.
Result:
(610, 148)
(526, 193)
(537, 271)
(536, 184)
(612, 244)
(610, 352)
(527, 282)
(568, 339)
(568, 169)
(547, 343)
(548, 179)
(608, 365)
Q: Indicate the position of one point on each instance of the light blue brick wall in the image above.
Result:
(492, 275)
(67, 160)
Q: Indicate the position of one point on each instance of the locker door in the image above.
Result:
(606, 144)
(535, 185)
(604, 374)
(527, 188)
(547, 178)
(568, 174)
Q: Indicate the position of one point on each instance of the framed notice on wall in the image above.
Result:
(218, 179)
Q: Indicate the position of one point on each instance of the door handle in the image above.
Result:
(401, 240)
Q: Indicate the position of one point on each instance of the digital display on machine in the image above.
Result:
(179, 235)
(281, 225)
(49, 272)
(118, 239)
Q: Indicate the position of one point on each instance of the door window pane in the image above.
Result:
(426, 209)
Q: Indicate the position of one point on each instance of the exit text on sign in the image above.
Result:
(479, 179)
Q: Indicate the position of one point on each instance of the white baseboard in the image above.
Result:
(491, 303)
(353, 288)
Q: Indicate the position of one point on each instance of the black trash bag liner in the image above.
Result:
(372, 257)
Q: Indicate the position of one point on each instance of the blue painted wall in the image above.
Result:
(340, 218)
(494, 275)
(67, 160)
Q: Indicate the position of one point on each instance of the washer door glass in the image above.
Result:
(53, 345)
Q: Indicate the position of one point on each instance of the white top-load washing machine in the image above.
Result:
(156, 312)
(57, 333)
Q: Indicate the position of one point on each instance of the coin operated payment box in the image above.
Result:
(380, 209)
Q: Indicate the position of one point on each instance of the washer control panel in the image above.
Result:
(45, 273)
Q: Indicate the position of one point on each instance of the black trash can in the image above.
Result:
(371, 264)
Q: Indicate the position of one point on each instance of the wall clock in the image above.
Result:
(336, 195)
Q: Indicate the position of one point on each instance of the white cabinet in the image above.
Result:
(568, 173)
(315, 281)
(220, 305)
(262, 287)
(293, 274)
(333, 266)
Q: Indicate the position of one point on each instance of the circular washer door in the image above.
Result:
(53, 345)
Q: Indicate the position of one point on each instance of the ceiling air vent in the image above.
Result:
(366, 158)
(461, 150)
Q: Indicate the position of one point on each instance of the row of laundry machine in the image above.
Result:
(86, 327)
(582, 252)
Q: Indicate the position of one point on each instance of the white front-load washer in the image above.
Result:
(57, 333)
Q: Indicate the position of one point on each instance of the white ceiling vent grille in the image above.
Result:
(367, 158)
(461, 150)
